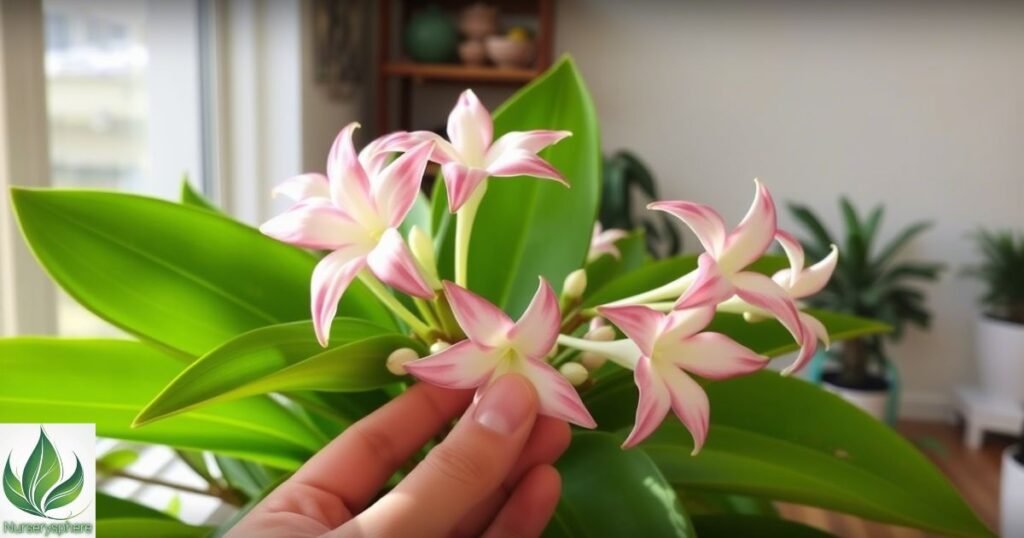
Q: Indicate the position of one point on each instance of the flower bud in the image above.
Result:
(592, 361)
(575, 284)
(439, 346)
(597, 323)
(601, 334)
(422, 248)
(575, 373)
(398, 358)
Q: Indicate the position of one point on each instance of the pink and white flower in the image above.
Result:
(496, 345)
(353, 211)
(603, 242)
(671, 347)
(472, 155)
(720, 269)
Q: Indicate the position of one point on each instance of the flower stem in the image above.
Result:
(396, 307)
(672, 290)
(465, 217)
(621, 352)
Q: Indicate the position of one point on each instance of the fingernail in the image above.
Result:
(505, 405)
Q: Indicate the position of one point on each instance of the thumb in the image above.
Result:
(468, 465)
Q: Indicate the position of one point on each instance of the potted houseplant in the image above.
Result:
(999, 347)
(869, 281)
(999, 342)
(241, 353)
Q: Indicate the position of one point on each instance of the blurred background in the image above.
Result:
(916, 106)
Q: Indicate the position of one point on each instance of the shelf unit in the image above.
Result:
(393, 69)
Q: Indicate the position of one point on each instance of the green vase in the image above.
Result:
(431, 36)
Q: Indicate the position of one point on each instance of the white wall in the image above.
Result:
(913, 104)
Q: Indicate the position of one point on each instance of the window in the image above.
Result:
(123, 105)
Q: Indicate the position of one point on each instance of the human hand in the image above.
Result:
(491, 475)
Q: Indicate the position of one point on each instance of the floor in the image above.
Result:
(975, 474)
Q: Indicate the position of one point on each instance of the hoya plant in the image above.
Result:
(254, 347)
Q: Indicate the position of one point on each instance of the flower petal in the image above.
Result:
(653, 404)
(813, 331)
(751, 239)
(303, 186)
(556, 395)
(331, 278)
(392, 262)
(316, 224)
(709, 288)
(603, 242)
(766, 294)
(395, 189)
(523, 163)
(690, 404)
(482, 322)
(713, 355)
(534, 334)
(464, 365)
(679, 325)
(704, 221)
(639, 323)
(795, 252)
(470, 128)
(531, 141)
(461, 182)
(816, 277)
(349, 184)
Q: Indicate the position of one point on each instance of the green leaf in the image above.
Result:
(249, 478)
(173, 508)
(526, 226)
(703, 502)
(110, 507)
(419, 216)
(15, 493)
(770, 338)
(67, 491)
(107, 382)
(633, 254)
(185, 278)
(42, 470)
(116, 460)
(731, 526)
(192, 197)
(607, 491)
(282, 357)
(786, 439)
(164, 528)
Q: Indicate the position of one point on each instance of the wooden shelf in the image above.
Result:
(456, 72)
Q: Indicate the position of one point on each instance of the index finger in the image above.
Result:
(358, 462)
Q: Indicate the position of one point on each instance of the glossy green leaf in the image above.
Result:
(107, 382)
(703, 502)
(173, 508)
(607, 491)
(191, 197)
(770, 338)
(67, 491)
(419, 215)
(530, 227)
(661, 272)
(185, 278)
(133, 528)
(733, 526)
(282, 357)
(786, 439)
(116, 460)
(110, 507)
(249, 478)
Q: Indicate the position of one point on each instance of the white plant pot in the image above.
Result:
(1011, 499)
(999, 346)
(872, 402)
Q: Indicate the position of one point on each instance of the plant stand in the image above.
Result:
(986, 413)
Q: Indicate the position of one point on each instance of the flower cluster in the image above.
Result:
(354, 212)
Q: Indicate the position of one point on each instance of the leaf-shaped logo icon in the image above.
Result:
(38, 491)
